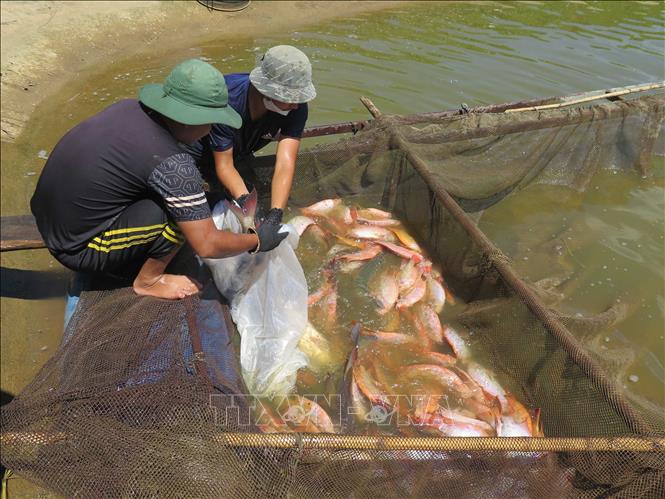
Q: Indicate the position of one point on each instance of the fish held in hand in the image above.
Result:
(247, 212)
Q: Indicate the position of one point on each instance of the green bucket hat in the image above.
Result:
(284, 73)
(194, 93)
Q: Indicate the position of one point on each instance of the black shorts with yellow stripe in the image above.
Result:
(142, 231)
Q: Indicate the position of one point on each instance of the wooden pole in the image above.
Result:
(19, 233)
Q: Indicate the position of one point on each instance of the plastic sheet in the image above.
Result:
(268, 297)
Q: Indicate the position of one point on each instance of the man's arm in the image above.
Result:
(179, 183)
(210, 242)
(227, 173)
(285, 167)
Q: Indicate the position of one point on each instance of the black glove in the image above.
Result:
(269, 237)
(274, 217)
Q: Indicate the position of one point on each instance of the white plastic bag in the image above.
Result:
(268, 297)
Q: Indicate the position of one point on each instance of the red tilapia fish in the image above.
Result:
(293, 414)
(247, 212)
(416, 375)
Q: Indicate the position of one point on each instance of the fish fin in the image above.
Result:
(498, 423)
(354, 213)
(538, 424)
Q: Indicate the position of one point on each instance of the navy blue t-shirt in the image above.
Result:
(253, 135)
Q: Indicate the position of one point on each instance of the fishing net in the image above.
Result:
(144, 397)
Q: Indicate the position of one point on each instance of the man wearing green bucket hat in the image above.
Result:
(119, 193)
(272, 101)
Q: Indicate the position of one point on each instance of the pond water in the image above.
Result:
(421, 57)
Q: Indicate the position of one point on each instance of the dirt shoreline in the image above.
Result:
(45, 44)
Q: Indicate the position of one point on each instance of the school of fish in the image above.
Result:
(414, 376)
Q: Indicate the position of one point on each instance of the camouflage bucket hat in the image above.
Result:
(194, 93)
(284, 73)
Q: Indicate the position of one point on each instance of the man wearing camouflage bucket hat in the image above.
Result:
(272, 101)
(119, 194)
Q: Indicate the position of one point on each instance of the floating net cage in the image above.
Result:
(144, 397)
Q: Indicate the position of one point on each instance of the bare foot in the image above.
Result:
(169, 286)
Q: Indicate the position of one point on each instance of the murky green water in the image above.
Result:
(422, 57)
(609, 240)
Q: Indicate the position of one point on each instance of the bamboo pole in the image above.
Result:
(362, 442)
(508, 107)
(633, 420)
(529, 123)
(606, 95)
(515, 444)
(481, 444)
(525, 104)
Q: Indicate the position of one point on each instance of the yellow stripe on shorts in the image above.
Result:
(106, 249)
(174, 232)
(125, 239)
(168, 236)
(133, 229)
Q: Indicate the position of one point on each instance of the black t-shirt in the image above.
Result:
(107, 163)
(252, 135)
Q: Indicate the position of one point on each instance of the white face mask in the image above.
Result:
(271, 106)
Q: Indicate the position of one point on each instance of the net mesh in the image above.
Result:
(144, 397)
